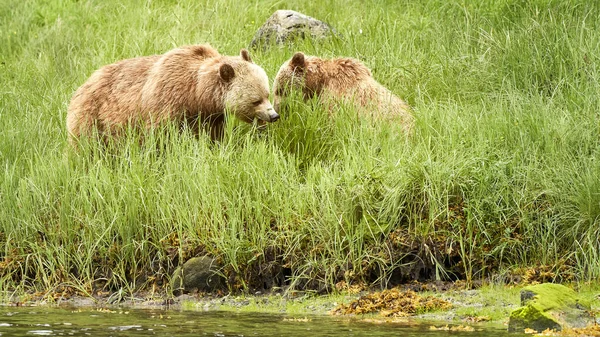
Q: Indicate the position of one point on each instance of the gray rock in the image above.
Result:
(198, 274)
(550, 306)
(526, 296)
(286, 25)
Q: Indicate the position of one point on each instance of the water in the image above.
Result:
(95, 322)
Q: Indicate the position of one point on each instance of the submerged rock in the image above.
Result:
(286, 25)
(550, 306)
(198, 274)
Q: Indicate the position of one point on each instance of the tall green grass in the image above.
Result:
(502, 171)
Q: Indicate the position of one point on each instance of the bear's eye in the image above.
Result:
(256, 103)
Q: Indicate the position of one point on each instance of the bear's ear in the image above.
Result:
(298, 61)
(245, 55)
(226, 72)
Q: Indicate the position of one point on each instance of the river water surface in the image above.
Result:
(38, 321)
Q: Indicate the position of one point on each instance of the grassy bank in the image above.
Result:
(501, 178)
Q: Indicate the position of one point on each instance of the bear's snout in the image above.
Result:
(271, 114)
(274, 116)
(266, 113)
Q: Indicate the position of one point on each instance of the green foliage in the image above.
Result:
(502, 170)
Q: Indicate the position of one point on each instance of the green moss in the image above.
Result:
(530, 317)
(549, 306)
(529, 313)
(550, 296)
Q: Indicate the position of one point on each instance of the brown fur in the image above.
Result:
(340, 79)
(191, 85)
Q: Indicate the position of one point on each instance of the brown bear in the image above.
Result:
(192, 85)
(340, 79)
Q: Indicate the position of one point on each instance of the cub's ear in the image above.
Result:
(245, 55)
(226, 72)
(298, 61)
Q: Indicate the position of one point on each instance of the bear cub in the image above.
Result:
(340, 80)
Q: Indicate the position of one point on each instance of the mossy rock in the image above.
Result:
(550, 306)
(198, 274)
(286, 26)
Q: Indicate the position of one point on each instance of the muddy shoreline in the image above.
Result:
(487, 304)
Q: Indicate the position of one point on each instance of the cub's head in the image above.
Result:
(248, 89)
(300, 73)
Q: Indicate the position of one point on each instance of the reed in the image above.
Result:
(501, 173)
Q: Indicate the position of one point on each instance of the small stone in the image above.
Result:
(526, 296)
(286, 25)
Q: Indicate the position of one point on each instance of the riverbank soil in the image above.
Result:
(448, 302)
